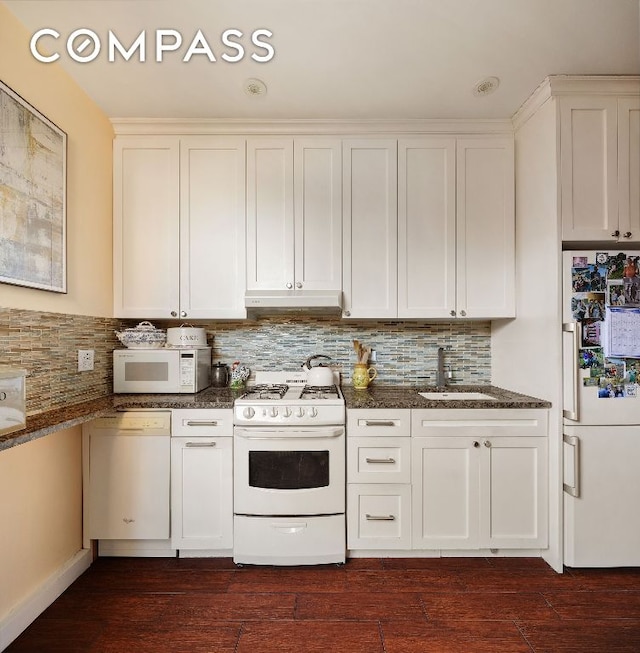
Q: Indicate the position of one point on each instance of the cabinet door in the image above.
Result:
(485, 225)
(426, 228)
(201, 493)
(270, 239)
(445, 484)
(370, 234)
(629, 169)
(318, 213)
(379, 516)
(588, 168)
(146, 226)
(129, 487)
(212, 227)
(513, 492)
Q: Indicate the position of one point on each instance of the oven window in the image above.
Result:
(288, 470)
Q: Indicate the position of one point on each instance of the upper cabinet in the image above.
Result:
(179, 231)
(294, 214)
(600, 168)
(370, 257)
(429, 228)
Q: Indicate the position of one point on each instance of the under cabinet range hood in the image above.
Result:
(308, 301)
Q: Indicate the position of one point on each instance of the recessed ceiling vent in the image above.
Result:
(255, 87)
(486, 86)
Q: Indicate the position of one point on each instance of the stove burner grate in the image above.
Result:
(319, 392)
(266, 391)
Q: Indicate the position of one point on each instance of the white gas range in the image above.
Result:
(289, 472)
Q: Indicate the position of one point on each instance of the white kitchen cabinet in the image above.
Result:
(485, 228)
(212, 227)
(629, 168)
(370, 233)
(379, 479)
(426, 227)
(146, 230)
(599, 170)
(479, 479)
(449, 249)
(179, 213)
(202, 480)
(294, 214)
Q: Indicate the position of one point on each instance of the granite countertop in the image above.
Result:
(393, 396)
(376, 396)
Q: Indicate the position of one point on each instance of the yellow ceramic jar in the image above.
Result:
(362, 376)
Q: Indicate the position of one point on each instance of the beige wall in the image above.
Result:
(89, 161)
(40, 512)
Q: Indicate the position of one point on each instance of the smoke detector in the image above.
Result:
(255, 87)
(486, 86)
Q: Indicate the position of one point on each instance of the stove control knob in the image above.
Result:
(273, 412)
(300, 412)
(248, 412)
(313, 412)
(286, 412)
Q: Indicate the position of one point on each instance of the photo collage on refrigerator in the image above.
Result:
(605, 301)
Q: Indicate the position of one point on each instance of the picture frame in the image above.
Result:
(33, 203)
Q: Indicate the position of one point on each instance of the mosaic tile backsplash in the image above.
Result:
(406, 351)
(46, 344)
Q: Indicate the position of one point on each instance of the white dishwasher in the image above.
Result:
(127, 483)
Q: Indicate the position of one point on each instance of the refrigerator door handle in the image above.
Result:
(573, 490)
(573, 327)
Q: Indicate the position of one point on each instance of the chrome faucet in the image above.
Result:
(441, 377)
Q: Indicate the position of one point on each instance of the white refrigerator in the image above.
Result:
(601, 412)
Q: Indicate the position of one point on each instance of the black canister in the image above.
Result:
(219, 375)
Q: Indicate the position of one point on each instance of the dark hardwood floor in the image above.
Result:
(448, 605)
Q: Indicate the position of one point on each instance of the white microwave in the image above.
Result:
(161, 370)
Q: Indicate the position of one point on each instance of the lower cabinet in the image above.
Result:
(448, 480)
(479, 479)
(477, 493)
(201, 480)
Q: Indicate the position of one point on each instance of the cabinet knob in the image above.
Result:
(627, 234)
(174, 314)
(299, 284)
(452, 313)
(183, 314)
(463, 313)
(487, 443)
(615, 234)
(476, 444)
(347, 313)
(289, 286)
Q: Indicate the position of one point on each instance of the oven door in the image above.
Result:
(292, 471)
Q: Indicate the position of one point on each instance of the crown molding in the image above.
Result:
(575, 85)
(178, 127)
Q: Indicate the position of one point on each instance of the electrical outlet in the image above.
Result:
(85, 360)
(373, 357)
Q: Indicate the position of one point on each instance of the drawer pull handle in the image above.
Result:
(380, 518)
(379, 422)
(200, 423)
(200, 444)
(380, 461)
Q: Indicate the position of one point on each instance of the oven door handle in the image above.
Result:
(278, 434)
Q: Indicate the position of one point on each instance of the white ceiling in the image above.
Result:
(341, 59)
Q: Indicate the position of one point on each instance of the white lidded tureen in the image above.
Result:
(143, 336)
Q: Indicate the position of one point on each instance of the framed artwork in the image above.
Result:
(33, 173)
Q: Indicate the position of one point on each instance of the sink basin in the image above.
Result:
(460, 396)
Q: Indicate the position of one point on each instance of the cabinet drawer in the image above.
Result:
(202, 422)
(379, 516)
(479, 422)
(379, 460)
(393, 421)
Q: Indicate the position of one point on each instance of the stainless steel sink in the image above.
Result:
(460, 396)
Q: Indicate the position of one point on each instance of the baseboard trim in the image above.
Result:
(34, 605)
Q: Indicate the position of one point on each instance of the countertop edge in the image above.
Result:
(377, 396)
